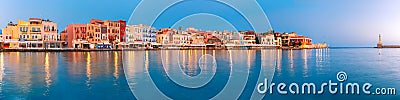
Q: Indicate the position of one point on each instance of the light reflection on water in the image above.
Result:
(67, 75)
(238, 62)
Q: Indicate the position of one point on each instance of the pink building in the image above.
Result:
(49, 32)
(96, 34)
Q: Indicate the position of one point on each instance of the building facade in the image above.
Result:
(35, 33)
(267, 39)
(165, 36)
(76, 35)
(96, 34)
(140, 34)
(9, 36)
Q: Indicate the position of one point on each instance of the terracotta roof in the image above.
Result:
(35, 19)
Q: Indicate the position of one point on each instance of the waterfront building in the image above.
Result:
(242, 38)
(97, 32)
(213, 40)
(185, 39)
(181, 39)
(122, 28)
(30, 30)
(76, 35)
(141, 34)
(50, 35)
(232, 38)
(294, 40)
(165, 36)
(49, 30)
(64, 37)
(116, 31)
(302, 41)
(176, 39)
(130, 38)
(248, 37)
(198, 39)
(113, 31)
(9, 36)
(35, 33)
(224, 36)
(267, 39)
(11, 30)
(286, 38)
(278, 39)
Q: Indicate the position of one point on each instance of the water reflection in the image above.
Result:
(322, 59)
(48, 74)
(306, 57)
(116, 67)
(199, 65)
(88, 70)
(71, 75)
(302, 62)
(99, 75)
(1, 71)
(279, 61)
(291, 62)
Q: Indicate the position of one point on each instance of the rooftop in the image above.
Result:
(35, 19)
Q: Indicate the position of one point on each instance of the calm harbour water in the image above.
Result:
(100, 75)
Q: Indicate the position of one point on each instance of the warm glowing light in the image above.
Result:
(279, 60)
(88, 70)
(116, 65)
(230, 59)
(305, 59)
(147, 59)
(248, 58)
(47, 71)
(1, 70)
(291, 61)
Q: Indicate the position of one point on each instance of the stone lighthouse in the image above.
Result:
(379, 45)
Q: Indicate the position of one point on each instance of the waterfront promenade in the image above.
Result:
(151, 48)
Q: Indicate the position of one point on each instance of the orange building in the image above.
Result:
(76, 35)
(97, 33)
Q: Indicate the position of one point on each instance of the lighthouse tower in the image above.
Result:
(379, 45)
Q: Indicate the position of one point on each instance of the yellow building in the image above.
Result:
(97, 32)
(10, 36)
(35, 33)
(11, 30)
(113, 30)
(30, 30)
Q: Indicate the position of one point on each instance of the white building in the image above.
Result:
(267, 39)
(140, 34)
